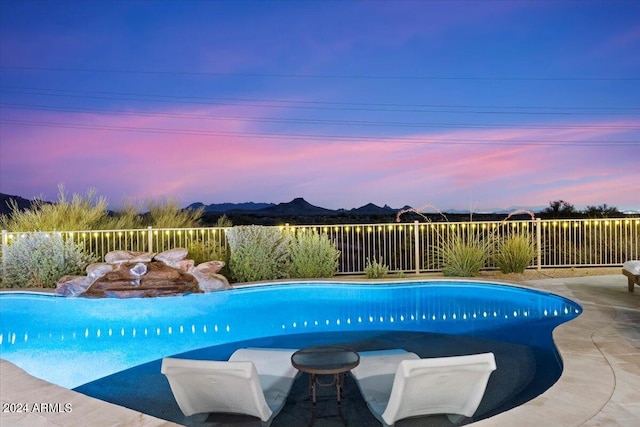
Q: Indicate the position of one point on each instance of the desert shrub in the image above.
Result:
(200, 252)
(224, 221)
(312, 255)
(128, 217)
(375, 269)
(257, 253)
(168, 214)
(78, 213)
(514, 253)
(462, 256)
(40, 259)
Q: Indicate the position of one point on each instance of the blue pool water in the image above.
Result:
(75, 341)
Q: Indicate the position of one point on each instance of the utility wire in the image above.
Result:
(297, 102)
(317, 76)
(33, 107)
(289, 136)
(308, 107)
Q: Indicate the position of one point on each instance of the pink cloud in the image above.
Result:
(335, 173)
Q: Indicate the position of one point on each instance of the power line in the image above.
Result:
(308, 107)
(17, 90)
(316, 76)
(32, 107)
(289, 136)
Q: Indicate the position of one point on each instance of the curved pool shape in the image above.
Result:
(73, 341)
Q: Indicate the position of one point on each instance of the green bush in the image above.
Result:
(257, 253)
(514, 253)
(201, 252)
(375, 269)
(462, 256)
(39, 260)
(312, 255)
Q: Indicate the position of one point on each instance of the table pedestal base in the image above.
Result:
(338, 381)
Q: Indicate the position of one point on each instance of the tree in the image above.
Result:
(602, 211)
(559, 209)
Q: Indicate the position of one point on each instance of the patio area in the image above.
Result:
(598, 387)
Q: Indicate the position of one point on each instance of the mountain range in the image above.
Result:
(297, 206)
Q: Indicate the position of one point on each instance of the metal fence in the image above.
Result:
(403, 247)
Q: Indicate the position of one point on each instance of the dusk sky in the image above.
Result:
(459, 104)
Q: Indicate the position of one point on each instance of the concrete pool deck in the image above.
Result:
(598, 387)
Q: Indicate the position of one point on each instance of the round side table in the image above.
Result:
(325, 360)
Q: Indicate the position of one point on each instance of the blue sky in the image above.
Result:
(458, 104)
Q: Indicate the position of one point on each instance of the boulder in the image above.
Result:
(210, 266)
(118, 257)
(98, 269)
(172, 257)
(73, 286)
(210, 282)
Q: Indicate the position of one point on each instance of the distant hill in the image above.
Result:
(296, 207)
(229, 207)
(5, 204)
(371, 209)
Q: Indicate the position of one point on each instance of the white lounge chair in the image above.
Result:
(396, 384)
(631, 269)
(253, 382)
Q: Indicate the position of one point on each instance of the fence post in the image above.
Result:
(150, 238)
(539, 242)
(416, 235)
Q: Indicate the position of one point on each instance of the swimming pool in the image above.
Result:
(74, 341)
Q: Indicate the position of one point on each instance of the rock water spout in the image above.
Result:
(129, 274)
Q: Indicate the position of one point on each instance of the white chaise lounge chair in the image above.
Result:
(253, 382)
(396, 384)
